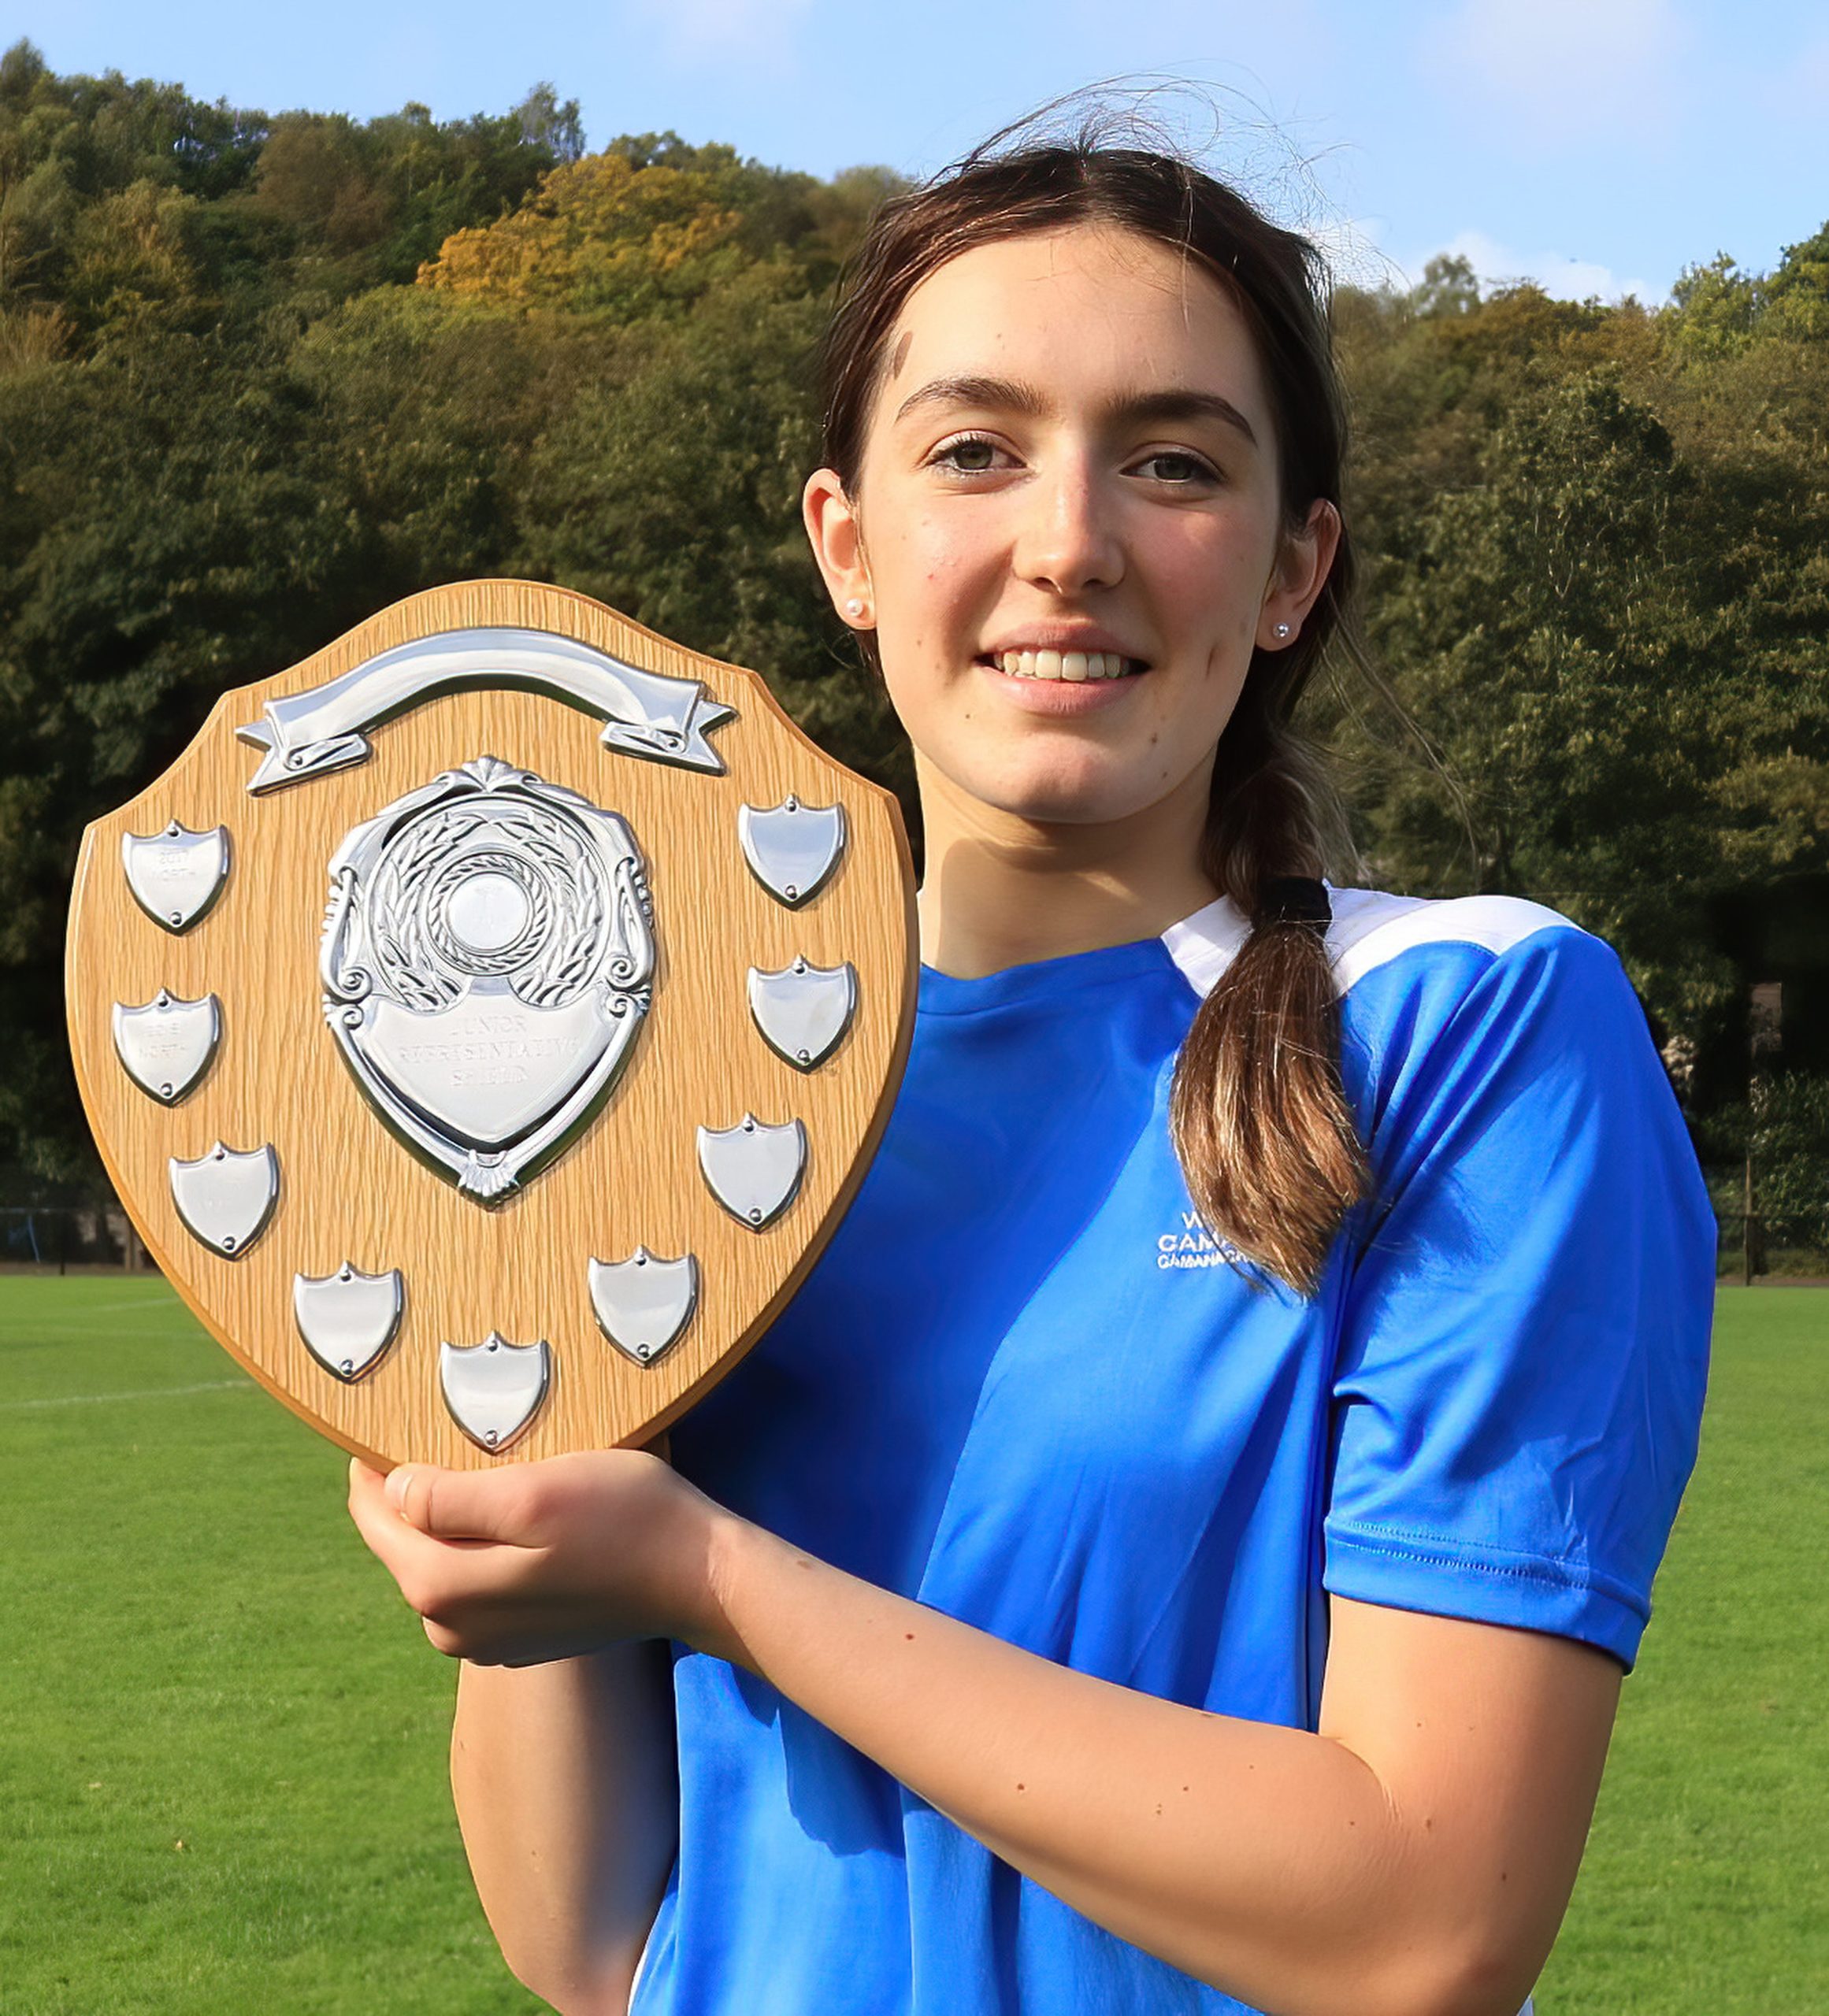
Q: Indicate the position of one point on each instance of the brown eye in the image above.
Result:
(1172, 466)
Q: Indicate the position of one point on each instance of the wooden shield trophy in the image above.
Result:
(486, 1022)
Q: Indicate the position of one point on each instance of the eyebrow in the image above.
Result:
(1015, 395)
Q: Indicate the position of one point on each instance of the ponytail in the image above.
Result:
(1258, 1113)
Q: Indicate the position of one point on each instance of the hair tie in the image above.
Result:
(1295, 899)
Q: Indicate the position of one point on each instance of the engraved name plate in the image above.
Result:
(166, 1045)
(176, 876)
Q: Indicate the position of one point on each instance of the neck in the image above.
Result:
(1002, 891)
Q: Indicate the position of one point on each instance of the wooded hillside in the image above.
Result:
(261, 375)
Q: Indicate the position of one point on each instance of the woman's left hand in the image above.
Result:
(545, 1561)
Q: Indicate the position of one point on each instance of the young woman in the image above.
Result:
(1179, 1550)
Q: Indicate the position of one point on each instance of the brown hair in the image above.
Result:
(1258, 1113)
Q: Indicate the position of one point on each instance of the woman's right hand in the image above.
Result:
(543, 1561)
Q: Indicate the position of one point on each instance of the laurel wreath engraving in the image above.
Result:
(584, 926)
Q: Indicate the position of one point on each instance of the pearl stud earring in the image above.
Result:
(1280, 631)
(854, 607)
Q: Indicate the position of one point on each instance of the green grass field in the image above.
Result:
(222, 1737)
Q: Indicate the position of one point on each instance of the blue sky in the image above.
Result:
(1597, 145)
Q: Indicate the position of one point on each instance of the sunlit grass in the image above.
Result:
(1706, 1884)
(197, 1651)
(221, 1736)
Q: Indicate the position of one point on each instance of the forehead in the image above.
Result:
(1086, 308)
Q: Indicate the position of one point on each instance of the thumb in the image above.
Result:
(459, 1504)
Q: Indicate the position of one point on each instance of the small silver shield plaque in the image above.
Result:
(226, 1197)
(487, 961)
(642, 1304)
(166, 1045)
(494, 1389)
(753, 1169)
(792, 848)
(348, 1319)
(176, 875)
(803, 1010)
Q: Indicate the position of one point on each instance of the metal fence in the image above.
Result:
(66, 1235)
(1762, 1246)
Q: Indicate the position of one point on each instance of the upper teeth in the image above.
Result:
(1065, 664)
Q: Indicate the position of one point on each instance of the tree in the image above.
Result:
(555, 129)
(1541, 636)
(671, 490)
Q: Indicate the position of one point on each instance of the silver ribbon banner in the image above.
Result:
(644, 713)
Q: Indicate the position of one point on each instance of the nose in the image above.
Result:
(1069, 540)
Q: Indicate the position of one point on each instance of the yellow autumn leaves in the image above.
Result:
(600, 234)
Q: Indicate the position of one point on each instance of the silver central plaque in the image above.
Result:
(486, 964)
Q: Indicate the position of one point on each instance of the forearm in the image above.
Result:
(1272, 1862)
(564, 1780)
(1412, 1857)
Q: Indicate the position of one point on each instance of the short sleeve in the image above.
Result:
(1524, 1343)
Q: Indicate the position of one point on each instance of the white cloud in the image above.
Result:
(1553, 69)
(746, 29)
(1558, 273)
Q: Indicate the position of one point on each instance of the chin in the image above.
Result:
(1059, 800)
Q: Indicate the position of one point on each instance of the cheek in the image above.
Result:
(1210, 588)
(929, 559)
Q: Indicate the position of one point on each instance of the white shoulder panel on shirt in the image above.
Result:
(1369, 930)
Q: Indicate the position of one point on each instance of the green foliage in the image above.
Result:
(671, 489)
(261, 375)
(647, 228)
(1789, 1145)
(109, 189)
(1598, 547)
(1542, 638)
(1723, 309)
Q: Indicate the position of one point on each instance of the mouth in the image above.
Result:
(1073, 668)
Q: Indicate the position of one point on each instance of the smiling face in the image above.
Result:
(1067, 531)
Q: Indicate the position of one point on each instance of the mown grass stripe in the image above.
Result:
(144, 1393)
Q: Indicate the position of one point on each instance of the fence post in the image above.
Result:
(1746, 1229)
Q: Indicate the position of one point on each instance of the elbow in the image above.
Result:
(1461, 1976)
(573, 1985)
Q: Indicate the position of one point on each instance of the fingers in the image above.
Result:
(460, 1505)
(406, 1549)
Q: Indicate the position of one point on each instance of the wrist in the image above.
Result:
(728, 1549)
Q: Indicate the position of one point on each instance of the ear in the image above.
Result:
(1303, 564)
(838, 541)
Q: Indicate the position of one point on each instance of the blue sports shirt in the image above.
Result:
(1024, 1387)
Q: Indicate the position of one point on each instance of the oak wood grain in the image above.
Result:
(350, 1191)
